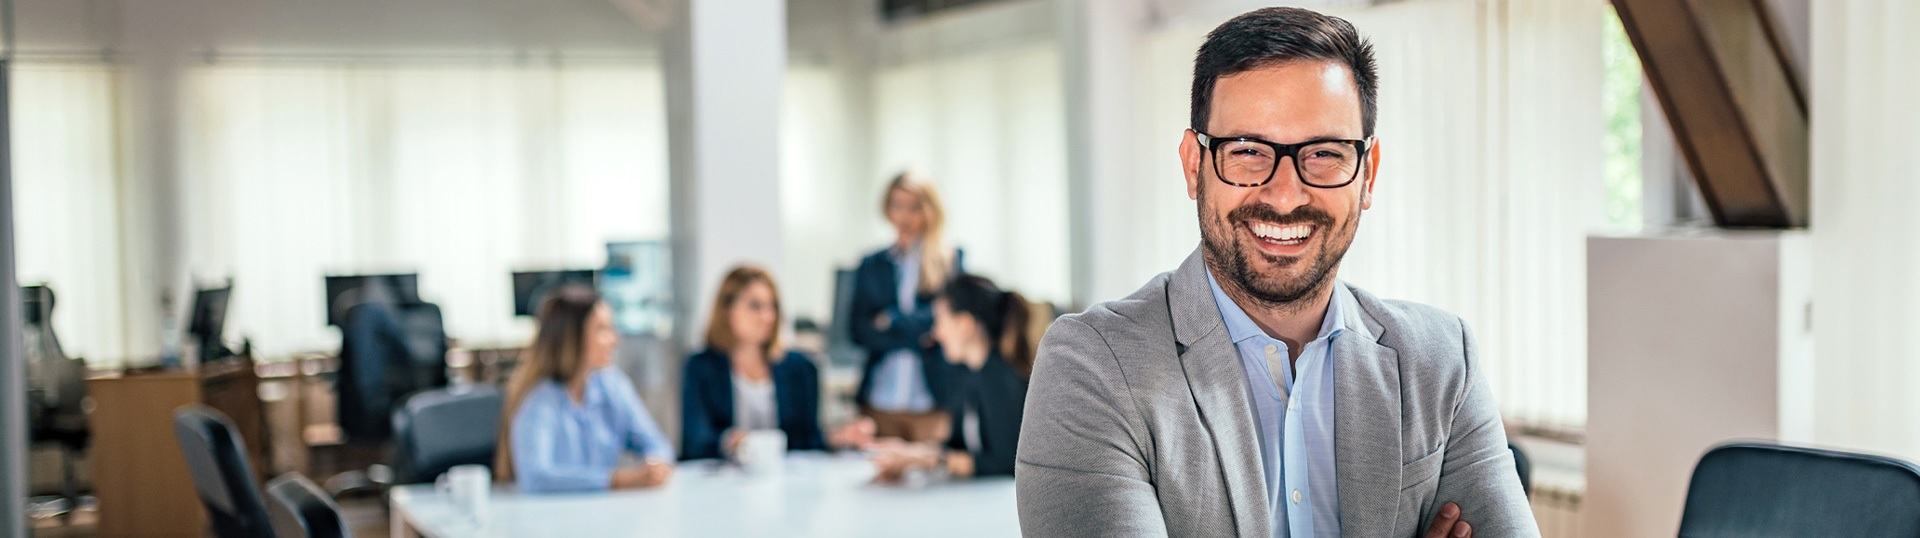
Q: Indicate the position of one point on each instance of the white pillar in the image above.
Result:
(1100, 41)
(153, 226)
(1865, 124)
(724, 66)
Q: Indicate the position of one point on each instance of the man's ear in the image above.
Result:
(1190, 162)
(1373, 175)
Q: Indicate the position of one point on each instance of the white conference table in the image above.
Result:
(812, 495)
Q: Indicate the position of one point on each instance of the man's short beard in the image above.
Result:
(1232, 260)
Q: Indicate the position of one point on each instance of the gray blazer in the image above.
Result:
(1138, 423)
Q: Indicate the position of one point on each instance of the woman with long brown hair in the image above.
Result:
(902, 386)
(570, 414)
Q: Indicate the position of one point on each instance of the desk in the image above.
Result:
(815, 495)
(139, 474)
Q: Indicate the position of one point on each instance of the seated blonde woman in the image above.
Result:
(571, 416)
(745, 381)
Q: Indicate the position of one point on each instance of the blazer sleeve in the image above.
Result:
(1082, 468)
(1002, 448)
(870, 298)
(1477, 473)
(803, 428)
(698, 437)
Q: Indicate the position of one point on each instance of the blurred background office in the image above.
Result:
(270, 206)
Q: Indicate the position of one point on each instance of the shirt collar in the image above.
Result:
(1241, 327)
(909, 253)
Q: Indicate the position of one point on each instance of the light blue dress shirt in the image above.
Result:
(899, 385)
(562, 445)
(1295, 412)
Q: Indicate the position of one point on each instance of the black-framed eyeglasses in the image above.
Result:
(1250, 162)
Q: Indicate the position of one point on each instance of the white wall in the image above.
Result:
(1865, 124)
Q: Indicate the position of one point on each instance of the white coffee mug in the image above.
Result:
(762, 450)
(468, 487)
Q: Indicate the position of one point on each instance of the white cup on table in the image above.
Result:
(761, 451)
(468, 487)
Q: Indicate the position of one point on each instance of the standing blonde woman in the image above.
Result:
(570, 415)
(902, 387)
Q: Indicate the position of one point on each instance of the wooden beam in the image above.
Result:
(1735, 107)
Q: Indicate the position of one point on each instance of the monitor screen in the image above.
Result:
(344, 291)
(210, 313)
(530, 287)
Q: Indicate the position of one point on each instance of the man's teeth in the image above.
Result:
(1281, 233)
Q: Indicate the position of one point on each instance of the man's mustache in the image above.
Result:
(1265, 213)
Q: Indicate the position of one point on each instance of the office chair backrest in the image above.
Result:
(1770, 491)
(56, 384)
(438, 429)
(387, 351)
(840, 347)
(1525, 466)
(220, 472)
(299, 509)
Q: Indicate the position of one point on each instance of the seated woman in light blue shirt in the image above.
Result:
(571, 415)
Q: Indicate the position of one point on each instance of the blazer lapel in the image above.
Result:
(1219, 387)
(1366, 424)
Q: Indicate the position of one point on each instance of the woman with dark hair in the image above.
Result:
(901, 385)
(744, 380)
(570, 414)
(984, 331)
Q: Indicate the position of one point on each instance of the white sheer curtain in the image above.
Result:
(66, 203)
(990, 129)
(1490, 125)
(460, 173)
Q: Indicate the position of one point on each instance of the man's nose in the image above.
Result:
(1285, 191)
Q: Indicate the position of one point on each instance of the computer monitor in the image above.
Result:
(344, 291)
(530, 287)
(209, 320)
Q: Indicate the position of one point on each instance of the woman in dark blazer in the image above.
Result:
(903, 386)
(743, 381)
(983, 331)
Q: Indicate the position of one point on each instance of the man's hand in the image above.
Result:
(1447, 524)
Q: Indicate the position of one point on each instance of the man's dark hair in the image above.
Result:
(1278, 35)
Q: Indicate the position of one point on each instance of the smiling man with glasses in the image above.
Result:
(1250, 392)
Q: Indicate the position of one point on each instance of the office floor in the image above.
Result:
(364, 515)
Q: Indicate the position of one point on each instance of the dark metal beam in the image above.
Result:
(13, 367)
(1735, 107)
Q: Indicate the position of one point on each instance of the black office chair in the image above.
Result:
(56, 393)
(218, 463)
(1525, 467)
(387, 351)
(1758, 490)
(299, 509)
(441, 428)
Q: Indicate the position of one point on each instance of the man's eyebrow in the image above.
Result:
(1258, 136)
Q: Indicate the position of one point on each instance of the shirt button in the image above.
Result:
(1296, 496)
(1271, 349)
